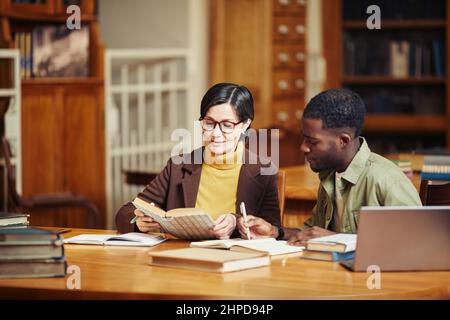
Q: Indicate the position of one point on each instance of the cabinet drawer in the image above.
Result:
(286, 83)
(291, 7)
(289, 28)
(288, 112)
(289, 56)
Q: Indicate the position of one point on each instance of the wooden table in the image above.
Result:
(122, 272)
(302, 185)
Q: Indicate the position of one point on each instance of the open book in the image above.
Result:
(132, 239)
(340, 242)
(268, 246)
(183, 223)
(211, 260)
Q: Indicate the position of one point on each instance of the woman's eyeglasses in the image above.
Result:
(225, 126)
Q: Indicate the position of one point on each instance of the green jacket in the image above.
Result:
(370, 180)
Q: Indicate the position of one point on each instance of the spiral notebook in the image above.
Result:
(183, 223)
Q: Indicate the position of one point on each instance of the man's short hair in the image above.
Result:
(337, 108)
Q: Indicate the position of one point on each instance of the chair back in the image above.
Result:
(281, 192)
(435, 193)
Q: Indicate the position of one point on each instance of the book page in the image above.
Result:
(137, 237)
(89, 238)
(192, 226)
(343, 238)
(228, 243)
(272, 247)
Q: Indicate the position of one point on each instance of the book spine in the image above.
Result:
(435, 176)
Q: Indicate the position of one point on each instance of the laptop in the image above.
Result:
(402, 239)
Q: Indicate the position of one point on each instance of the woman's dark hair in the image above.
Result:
(239, 97)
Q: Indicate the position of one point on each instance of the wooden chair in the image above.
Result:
(281, 193)
(46, 201)
(435, 193)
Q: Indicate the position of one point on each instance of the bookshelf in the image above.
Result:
(407, 101)
(62, 113)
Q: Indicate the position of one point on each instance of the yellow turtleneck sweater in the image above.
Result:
(218, 182)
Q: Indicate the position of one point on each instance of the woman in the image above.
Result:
(222, 179)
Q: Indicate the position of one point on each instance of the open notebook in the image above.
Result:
(132, 239)
(268, 246)
(183, 223)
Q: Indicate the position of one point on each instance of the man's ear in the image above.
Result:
(344, 139)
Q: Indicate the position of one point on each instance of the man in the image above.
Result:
(351, 176)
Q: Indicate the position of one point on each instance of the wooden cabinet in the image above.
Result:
(261, 44)
(62, 117)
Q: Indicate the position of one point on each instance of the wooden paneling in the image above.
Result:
(240, 33)
(63, 146)
(332, 38)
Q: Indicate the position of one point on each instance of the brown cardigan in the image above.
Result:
(177, 186)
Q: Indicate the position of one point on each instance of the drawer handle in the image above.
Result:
(283, 2)
(283, 57)
(299, 83)
(283, 29)
(282, 116)
(300, 56)
(283, 85)
(300, 29)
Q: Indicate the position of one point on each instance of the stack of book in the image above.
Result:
(436, 168)
(31, 253)
(337, 247)
(13, 220)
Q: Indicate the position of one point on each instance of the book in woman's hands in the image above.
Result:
(132, 239)
(268, 246)
(183, 223)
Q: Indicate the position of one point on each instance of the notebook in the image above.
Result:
(132, 239)
(328, 255)
(269, 246)
(183, 223)
(209, 260)
(341, 242)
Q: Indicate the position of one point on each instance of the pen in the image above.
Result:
(135, 218)
(60, 231)
(244, 213)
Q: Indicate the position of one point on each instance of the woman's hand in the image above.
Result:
(224, 227)
(145, 224)
(259, 228)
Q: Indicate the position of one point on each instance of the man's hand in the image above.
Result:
(259, 228)
(301, 237)
(224, 227)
